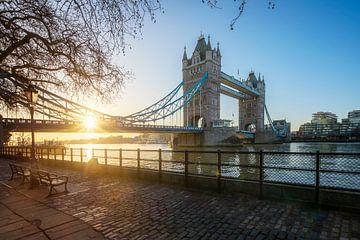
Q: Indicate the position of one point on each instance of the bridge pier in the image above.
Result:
(186, 139)
(209, 137)
(266, 137)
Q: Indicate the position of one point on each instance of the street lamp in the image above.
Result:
(32, 95)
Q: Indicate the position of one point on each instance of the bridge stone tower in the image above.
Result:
(251, 110)
(206, 103)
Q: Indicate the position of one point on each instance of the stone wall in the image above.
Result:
(210, 137)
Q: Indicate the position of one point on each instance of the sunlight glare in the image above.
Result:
(90, 122)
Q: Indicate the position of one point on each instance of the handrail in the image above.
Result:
(307, 169)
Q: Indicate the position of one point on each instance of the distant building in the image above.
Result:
(324, 118)
(351, 126)
(354, 116)
(222, 123)
(282, 127)
(324, 125)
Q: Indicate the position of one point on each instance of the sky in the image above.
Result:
(307, 50)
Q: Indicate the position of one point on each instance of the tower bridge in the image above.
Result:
(194, 104)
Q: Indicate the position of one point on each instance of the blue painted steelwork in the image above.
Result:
(231, 92)
(61, 109)
(247, 134)
(278, 133)
(166, 108)
(23, 125)
(234, 83)
(269, 119)
(156, 106)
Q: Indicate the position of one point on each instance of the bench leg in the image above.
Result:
(12, 176)
(50, 191)
(23, 180)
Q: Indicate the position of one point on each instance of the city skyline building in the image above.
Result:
(324, 125)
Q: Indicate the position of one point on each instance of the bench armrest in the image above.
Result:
(64, 178)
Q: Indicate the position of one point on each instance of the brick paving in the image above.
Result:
(127, 209)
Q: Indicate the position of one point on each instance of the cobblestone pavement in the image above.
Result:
(127, 209)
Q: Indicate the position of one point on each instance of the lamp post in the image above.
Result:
(32, 95)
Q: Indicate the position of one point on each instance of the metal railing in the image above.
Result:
(339, 171)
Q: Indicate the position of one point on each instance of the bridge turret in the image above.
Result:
(251, 110)
(185, 58)
(204, 59)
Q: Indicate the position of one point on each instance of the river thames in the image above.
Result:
(288, 162)
(285, 147)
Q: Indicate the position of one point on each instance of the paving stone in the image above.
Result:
(125, 209)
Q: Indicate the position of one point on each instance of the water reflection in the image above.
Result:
(240, 164)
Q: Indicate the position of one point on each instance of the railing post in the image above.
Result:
(138, 162)
(186, 168)
(120, 157)
(55, 156)
(317, 177)
(261, 173)
(71, 155)
(160, 165)
(219, 170)
(63, 155)
(105, 155)
(48, 155)
(81, 155)
(42, 154)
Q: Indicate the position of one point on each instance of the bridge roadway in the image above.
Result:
(241, 89)
(24, 125)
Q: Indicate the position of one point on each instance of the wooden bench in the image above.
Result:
(52, 180)
(17, 170)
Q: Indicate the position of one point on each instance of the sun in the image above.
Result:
(90, 122)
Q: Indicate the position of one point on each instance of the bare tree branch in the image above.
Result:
(70, 43)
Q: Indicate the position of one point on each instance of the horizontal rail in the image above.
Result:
(310, 169)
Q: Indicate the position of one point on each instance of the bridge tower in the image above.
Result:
(206, 103)
(251, 110)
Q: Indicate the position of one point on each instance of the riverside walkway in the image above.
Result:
(121, 208)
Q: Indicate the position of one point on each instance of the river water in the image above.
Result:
(285, 147)
(238, 164)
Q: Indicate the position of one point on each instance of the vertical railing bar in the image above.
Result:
(219, 170)
(138, 162)
(81, 155)
(48, 155)
(261, 174)
(186, 168)
(160, 166)
(317, 177)
(106, 159)
(55, 156)
(120, 157)
(71, 155)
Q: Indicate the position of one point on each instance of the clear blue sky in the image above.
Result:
(309, 52)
